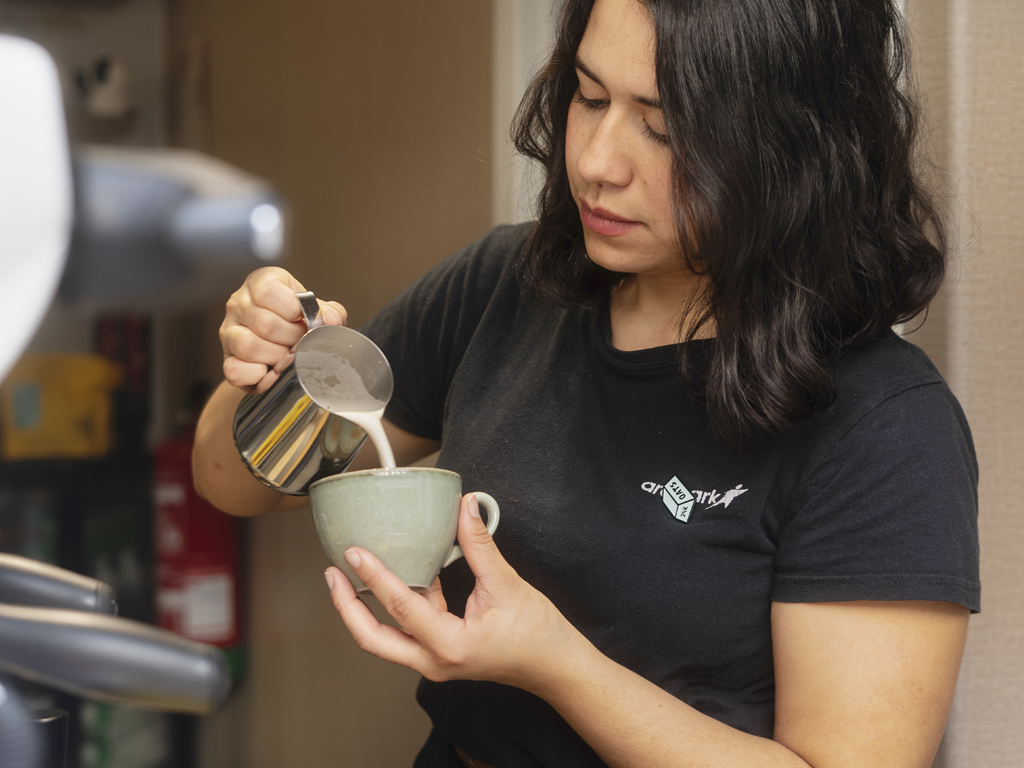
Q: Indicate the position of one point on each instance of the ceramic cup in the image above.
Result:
(408, 517)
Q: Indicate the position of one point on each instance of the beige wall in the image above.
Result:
(972, 62)
(373, 119)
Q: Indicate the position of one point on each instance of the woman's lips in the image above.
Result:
(605, 222)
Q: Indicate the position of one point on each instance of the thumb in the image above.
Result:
(478, 546)
(332, 313)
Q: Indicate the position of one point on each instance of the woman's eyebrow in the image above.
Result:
(645, 100)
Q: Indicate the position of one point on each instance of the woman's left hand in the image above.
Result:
(511, 633)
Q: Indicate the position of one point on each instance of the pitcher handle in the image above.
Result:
(310, 309)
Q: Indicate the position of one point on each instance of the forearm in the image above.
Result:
(629, 721)
(220, 476)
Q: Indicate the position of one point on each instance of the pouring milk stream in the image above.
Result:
(334, 383)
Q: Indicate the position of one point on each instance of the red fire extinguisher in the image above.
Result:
(197, 556)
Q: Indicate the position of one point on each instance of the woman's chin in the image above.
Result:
(611, 256)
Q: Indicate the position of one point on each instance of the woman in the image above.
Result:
(739, 514)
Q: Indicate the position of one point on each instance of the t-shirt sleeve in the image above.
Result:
(890, 512)
(426, 330)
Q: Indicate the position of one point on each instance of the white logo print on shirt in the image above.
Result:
(728, 496)
(680, 500)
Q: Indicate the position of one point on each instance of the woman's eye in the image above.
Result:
(586, 103)
(650, 133)
(579, 98)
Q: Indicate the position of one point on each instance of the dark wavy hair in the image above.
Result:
(796, 192)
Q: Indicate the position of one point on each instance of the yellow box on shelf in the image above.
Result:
(57, 407)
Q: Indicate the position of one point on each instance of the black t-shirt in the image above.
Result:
(662, 547)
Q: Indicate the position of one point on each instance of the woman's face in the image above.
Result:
(617, 154)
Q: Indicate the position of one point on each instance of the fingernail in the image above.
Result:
(330, 579)
(474, 506)
(352, 557)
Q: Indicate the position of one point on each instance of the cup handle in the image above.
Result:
(493, 515)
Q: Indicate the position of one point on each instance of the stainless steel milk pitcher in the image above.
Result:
(286, 438)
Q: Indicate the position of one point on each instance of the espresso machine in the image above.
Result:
(102, 224)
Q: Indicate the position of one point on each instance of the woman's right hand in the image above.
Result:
(262, 323)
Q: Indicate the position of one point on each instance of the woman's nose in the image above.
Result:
(605, 156)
